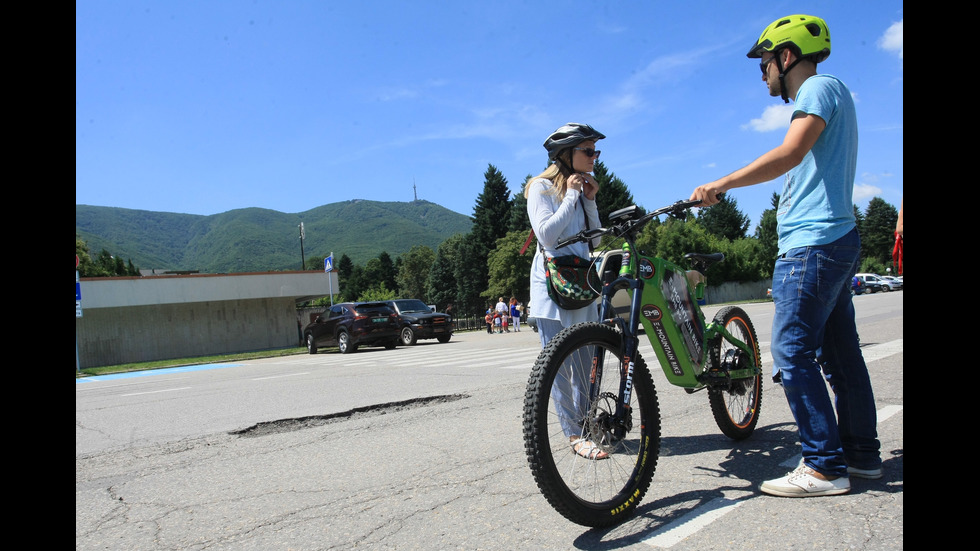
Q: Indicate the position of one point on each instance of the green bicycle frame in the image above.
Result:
(675, 324)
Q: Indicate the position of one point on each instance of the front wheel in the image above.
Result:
(310, 344)
(736, 408)
(344, 343)
(408, 336)
(559, 409)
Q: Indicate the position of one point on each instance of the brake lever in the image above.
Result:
(584, 235)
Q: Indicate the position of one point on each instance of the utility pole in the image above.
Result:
(415, 190)
(302, 236)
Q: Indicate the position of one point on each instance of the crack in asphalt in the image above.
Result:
(299, 423)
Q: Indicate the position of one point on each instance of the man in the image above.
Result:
(814, 332)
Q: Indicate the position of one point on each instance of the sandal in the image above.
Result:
(585, 448)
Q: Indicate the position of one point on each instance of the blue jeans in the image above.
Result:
(570, 391)
(814, 337)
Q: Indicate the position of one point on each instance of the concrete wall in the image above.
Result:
(141, 319)
(736, 292)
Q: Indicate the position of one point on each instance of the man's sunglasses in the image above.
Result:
(589, 152)
(764, 65)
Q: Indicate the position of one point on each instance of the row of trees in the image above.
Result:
(469, 271)
(104, 265)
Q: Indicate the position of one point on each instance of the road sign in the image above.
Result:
(78, 296)
(328, 264)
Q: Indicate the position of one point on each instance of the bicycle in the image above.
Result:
(574, 394)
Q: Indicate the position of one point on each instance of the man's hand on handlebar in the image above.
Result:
(708, 194)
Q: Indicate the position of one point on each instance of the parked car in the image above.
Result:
(891, 283)
(419, 321)
(857, 286)
(349, 325)
(533, 322)
(871, 282)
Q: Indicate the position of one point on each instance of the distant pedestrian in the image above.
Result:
(489, 320)
(515, 314)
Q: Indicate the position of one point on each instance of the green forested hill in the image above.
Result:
(255, 239)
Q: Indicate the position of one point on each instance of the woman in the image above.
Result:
(515, 315)
(559, 202)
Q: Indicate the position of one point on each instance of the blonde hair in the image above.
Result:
(557, 173)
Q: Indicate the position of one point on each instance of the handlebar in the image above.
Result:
(628, 221)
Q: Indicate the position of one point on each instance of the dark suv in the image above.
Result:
(351, 324)
(418, 321)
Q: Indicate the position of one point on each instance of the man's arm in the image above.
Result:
(802, 134)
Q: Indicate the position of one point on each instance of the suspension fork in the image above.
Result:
(621, 423)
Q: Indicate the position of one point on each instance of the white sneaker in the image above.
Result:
(870, 474)
(802, 483)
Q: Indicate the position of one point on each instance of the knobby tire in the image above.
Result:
(590, 492)
(736, 409)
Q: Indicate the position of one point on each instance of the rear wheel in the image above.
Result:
(736, 408)
(310, 344)
(444, 338)
(558, 408)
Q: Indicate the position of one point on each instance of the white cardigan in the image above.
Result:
(552, 221)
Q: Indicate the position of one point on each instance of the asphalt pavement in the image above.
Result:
(421, 448)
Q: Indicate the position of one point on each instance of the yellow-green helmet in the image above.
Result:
(807, 35)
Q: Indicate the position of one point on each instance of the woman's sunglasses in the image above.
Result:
(589, 152)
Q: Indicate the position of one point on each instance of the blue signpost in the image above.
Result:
(327, 268)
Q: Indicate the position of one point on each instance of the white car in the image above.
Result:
(890, 283)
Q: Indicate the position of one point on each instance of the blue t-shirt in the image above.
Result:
(816, 206)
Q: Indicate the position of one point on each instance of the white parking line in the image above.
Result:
(156, 391)
(883, 350)
(280, 376)
(691, 522)
(704, 515)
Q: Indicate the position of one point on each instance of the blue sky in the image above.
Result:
(203, 107)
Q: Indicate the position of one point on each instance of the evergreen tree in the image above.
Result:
(724, 219)
(414, 272)
(387, 273)
(768, 235)
(492, 211)
(373, 275)
(491, 216)
(519, 220)
(355, 284)
(344, 267)
(613, 193)
(471, 278)
(878, 231)
(441, 283)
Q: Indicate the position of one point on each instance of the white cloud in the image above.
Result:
(775, 117)
(893, 40)
(865, 192)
